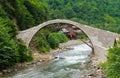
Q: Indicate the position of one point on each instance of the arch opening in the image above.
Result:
(60, 25)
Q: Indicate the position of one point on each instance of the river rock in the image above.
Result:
(99, 72)
(9, 70)
(38, 63)
(43, 60)
(91, 74)
(39, 60)
(69, 48)
(67, 69)
(15, 69)
(83, 76)
(1, 73)
(4, 71)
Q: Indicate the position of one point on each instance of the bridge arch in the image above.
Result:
(32, 31)
(90, 45)
(101, 40)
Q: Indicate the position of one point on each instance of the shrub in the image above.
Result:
(55, 38)
(113, 54)
(53, 41)
(112, 66)
(7, 55)
(102, 64)
(44, 46)
(44, 40)
(24, 54)
(113, 70)
(61, 37)
(11, 52)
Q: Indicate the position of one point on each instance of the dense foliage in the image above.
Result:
(55, 38)
(48, 38)
(11, 51)
(25, 13)
(38, 10)
(112, 66)
(18, 15)
(104, 14)
(39, 41)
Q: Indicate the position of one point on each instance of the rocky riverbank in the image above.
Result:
(42, 57)
(93, 72)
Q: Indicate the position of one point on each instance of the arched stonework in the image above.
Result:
(100, 39)
(29, 33)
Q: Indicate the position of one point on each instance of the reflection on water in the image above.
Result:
(68, 64)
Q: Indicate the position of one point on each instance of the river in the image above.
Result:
(68, 64)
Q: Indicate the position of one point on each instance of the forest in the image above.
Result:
(102, 14)
(16, 15)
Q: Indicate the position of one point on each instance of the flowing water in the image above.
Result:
(68, 64)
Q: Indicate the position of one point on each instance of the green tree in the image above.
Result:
(24, 18)
(39, 10)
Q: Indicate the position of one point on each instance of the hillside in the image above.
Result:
(104, 14)
(25, 13)
(18, 15)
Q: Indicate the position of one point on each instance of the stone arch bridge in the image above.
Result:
(100, 39)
